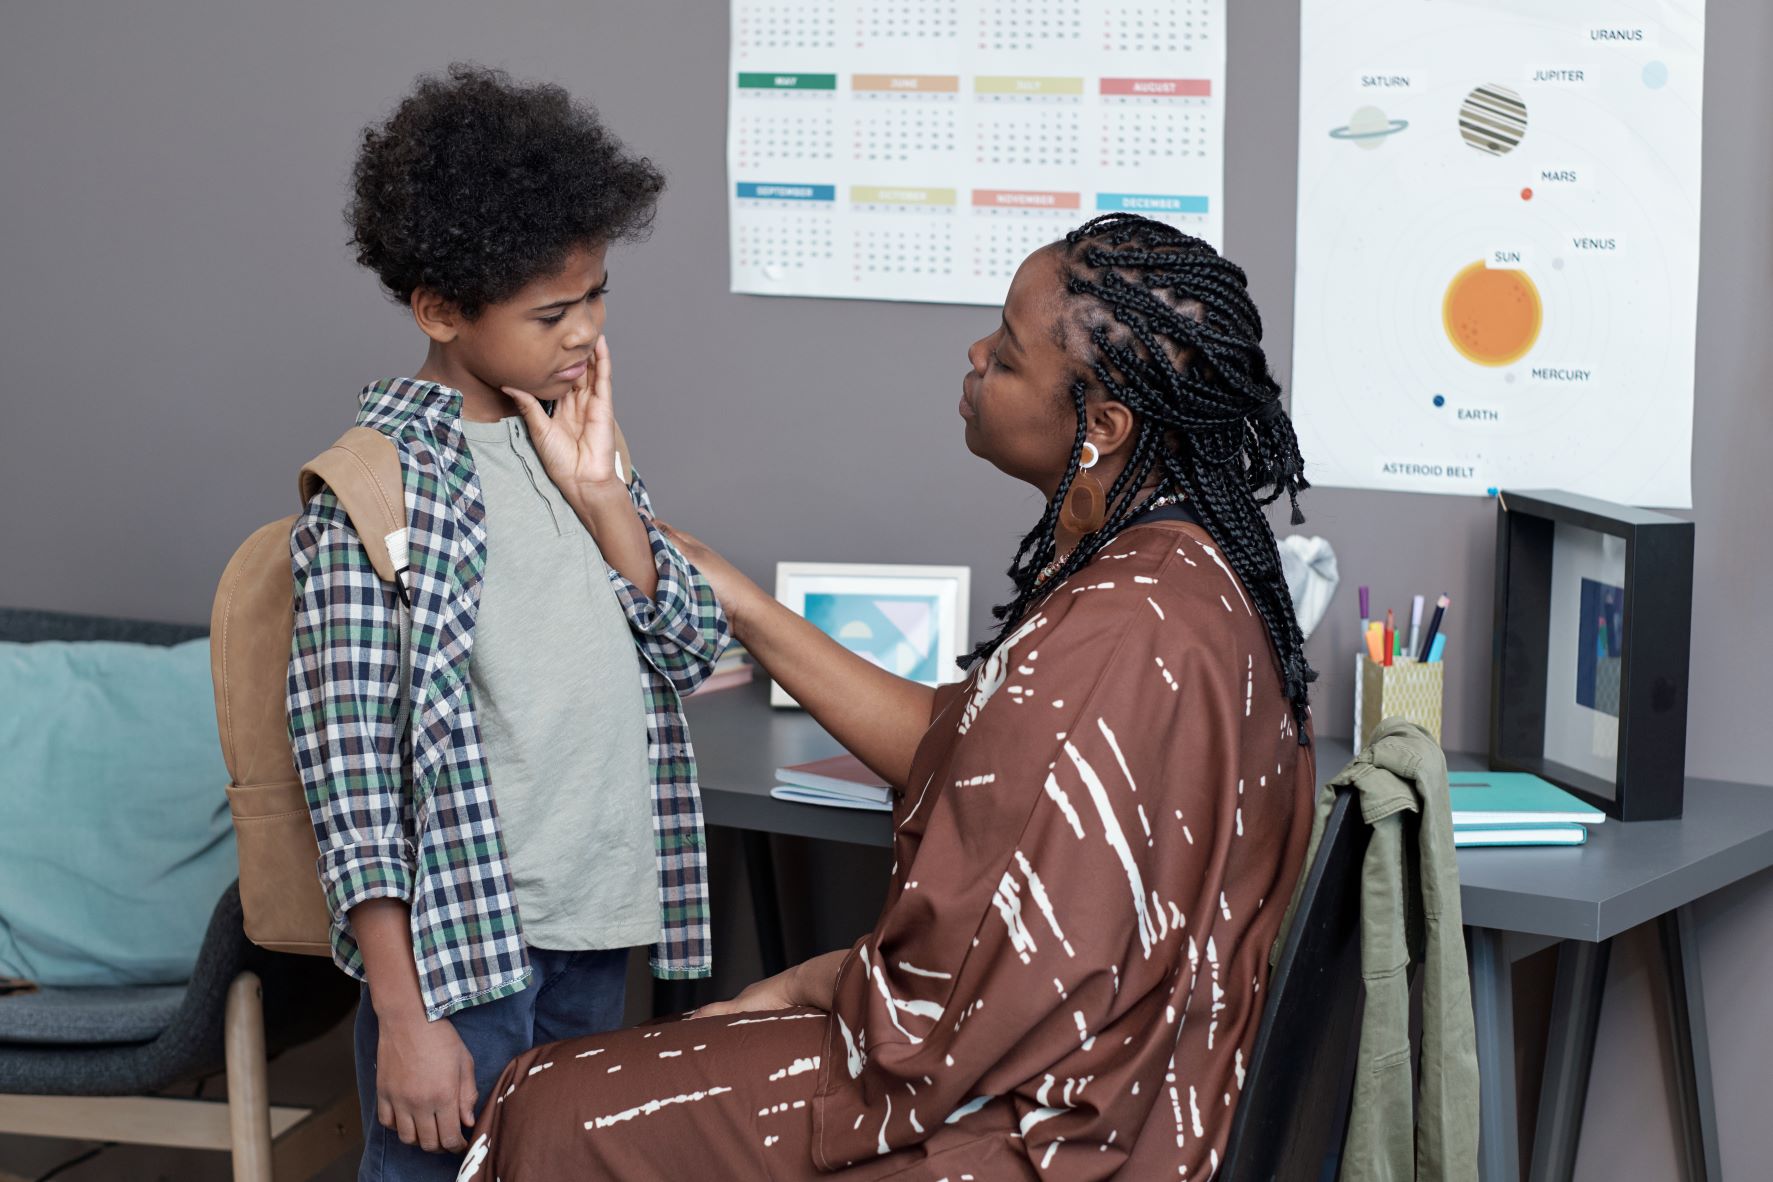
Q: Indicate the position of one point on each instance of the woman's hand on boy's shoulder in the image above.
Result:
(577, 444)
(735, 591)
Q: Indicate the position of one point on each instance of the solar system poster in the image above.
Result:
(1498, 245)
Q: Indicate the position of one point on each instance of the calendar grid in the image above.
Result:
(920, 149)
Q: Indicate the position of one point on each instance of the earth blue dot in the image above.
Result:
(1440, 400)
(1491, 491)
(1656, 75)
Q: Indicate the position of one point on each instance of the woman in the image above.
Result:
(1096, 833)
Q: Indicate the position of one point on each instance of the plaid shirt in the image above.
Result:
(407, 812)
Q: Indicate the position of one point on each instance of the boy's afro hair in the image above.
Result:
(477, 185)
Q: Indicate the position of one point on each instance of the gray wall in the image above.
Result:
(182, 326)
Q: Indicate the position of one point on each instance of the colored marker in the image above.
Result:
(1366, 616)
(1390, 636)
(1374, 639)
(1434, 650)
(1434, 626)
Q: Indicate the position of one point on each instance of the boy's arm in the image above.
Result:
(344, 698)
(424, 1073)
(611, 517)
(671, 610)
(680, 626)
(344, 703)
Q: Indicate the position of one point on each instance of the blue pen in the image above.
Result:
(1434, 627)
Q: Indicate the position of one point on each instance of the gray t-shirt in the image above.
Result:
(556, 685)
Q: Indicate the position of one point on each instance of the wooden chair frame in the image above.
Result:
(269, 1142)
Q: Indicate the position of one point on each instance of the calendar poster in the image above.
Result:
(921, 149)
(1498, 251)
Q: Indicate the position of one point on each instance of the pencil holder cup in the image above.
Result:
(1410, 690)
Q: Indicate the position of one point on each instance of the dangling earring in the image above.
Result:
(1086, 505)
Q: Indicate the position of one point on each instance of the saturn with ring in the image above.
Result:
(1369, 128)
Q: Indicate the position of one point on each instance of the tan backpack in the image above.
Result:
(251, 628)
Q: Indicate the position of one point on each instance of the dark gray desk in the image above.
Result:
(740, 742)
(1516, 903)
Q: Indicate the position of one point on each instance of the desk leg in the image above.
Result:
(1492, 1001)
(760, 872)
(1569, 1055)
(1692, 1048)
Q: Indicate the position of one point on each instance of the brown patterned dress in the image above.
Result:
(1100, 834)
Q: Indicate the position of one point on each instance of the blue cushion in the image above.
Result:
(115, 841)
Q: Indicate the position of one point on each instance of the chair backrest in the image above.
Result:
(28, 625)
(303, 996)
(1293, 1109)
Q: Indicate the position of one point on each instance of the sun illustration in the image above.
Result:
(1492, 315)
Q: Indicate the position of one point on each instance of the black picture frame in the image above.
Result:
(1656, 628)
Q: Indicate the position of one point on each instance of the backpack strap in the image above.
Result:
(363, 471)
(624, 463)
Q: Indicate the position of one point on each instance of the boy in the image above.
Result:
(535, 652)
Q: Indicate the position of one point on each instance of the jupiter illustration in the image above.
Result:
(1493, 119)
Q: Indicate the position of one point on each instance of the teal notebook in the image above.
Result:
(1537, 834)
(1514, 798)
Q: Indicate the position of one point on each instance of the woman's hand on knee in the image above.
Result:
(772, 993)
(809, 983)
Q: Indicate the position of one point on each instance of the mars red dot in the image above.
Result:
(1526, 194)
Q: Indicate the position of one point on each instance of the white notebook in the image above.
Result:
(840, 800)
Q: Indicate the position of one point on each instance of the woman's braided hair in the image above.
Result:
(1175, 337)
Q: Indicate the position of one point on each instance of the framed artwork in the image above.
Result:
(1588, 687)
(909, 620)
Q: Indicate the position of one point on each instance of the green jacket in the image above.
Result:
(1409, 912)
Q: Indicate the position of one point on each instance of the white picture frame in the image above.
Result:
(909, 620)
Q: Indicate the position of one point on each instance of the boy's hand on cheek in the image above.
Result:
(577, 445)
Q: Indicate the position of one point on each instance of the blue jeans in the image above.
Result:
(571, 994)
